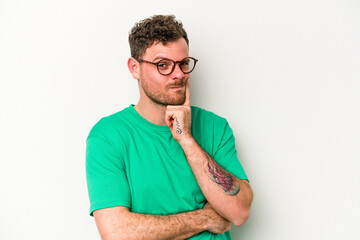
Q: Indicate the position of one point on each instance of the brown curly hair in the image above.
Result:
(158, 28)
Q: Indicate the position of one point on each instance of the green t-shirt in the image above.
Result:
(134, 163)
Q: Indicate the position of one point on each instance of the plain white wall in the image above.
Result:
(284, 73)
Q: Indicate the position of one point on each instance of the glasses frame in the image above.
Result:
(174, 64)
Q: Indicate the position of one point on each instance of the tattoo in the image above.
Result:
(221, 177)
(178, 129)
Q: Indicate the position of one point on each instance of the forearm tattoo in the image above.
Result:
(221, 177)
(178, 128)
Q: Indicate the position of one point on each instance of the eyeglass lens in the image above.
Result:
(166, 66)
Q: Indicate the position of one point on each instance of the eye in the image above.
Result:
(185, 62)
(164, 64)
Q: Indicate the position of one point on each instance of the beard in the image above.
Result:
(164, 98)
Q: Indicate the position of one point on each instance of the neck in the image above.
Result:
(151, 111)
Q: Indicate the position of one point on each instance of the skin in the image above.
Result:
(155, 87)
(119, 223)
(228, 195)
(165, 100)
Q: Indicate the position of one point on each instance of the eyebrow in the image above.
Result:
(161, 58)
(164, 58)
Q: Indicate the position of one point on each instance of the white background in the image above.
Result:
(284, 73)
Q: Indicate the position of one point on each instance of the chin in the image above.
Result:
(167, 100)
(176, 101)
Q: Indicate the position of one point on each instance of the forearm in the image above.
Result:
(229, 196)
(178, 226)
(124, 224)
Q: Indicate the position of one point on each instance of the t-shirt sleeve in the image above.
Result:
(226, 154)
(105, 174)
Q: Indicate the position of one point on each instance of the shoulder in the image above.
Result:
(205, 116)
(110, 124)
(209, 129)
(207, 123)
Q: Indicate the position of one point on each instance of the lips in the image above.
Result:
(176, 86)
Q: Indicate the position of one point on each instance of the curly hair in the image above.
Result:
(158, 28)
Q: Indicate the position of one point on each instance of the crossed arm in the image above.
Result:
(229, 201)
(229, 198)
(119, 223)
(228, 195)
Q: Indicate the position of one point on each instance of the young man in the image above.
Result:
(163, 169)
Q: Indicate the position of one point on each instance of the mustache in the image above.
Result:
(178, 84)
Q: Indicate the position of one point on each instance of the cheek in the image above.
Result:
(153, 79)
(156, 81)
(153, 85)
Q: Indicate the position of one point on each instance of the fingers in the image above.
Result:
(169, 118)
(178, 118)
(187, 93)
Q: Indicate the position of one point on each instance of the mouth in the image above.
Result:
(177, 87)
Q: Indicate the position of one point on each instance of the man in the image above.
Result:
(163, 169)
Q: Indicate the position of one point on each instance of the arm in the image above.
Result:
(229, 196)
(119, 223)
(108, 185)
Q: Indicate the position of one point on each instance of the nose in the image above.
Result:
(177, 73)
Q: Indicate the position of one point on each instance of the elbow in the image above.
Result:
(115, 237)
(241, 218)
(243, 210)
(242, 214)
(110, 237)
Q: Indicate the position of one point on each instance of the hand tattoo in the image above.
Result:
(178, 129)
(222, 178)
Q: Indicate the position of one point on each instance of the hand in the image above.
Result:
(178, 118)
(217, 224)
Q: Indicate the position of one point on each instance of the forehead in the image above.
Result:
(176, 50)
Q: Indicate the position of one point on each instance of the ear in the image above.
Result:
(134, 67)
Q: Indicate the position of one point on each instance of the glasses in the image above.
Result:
(166, 66)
